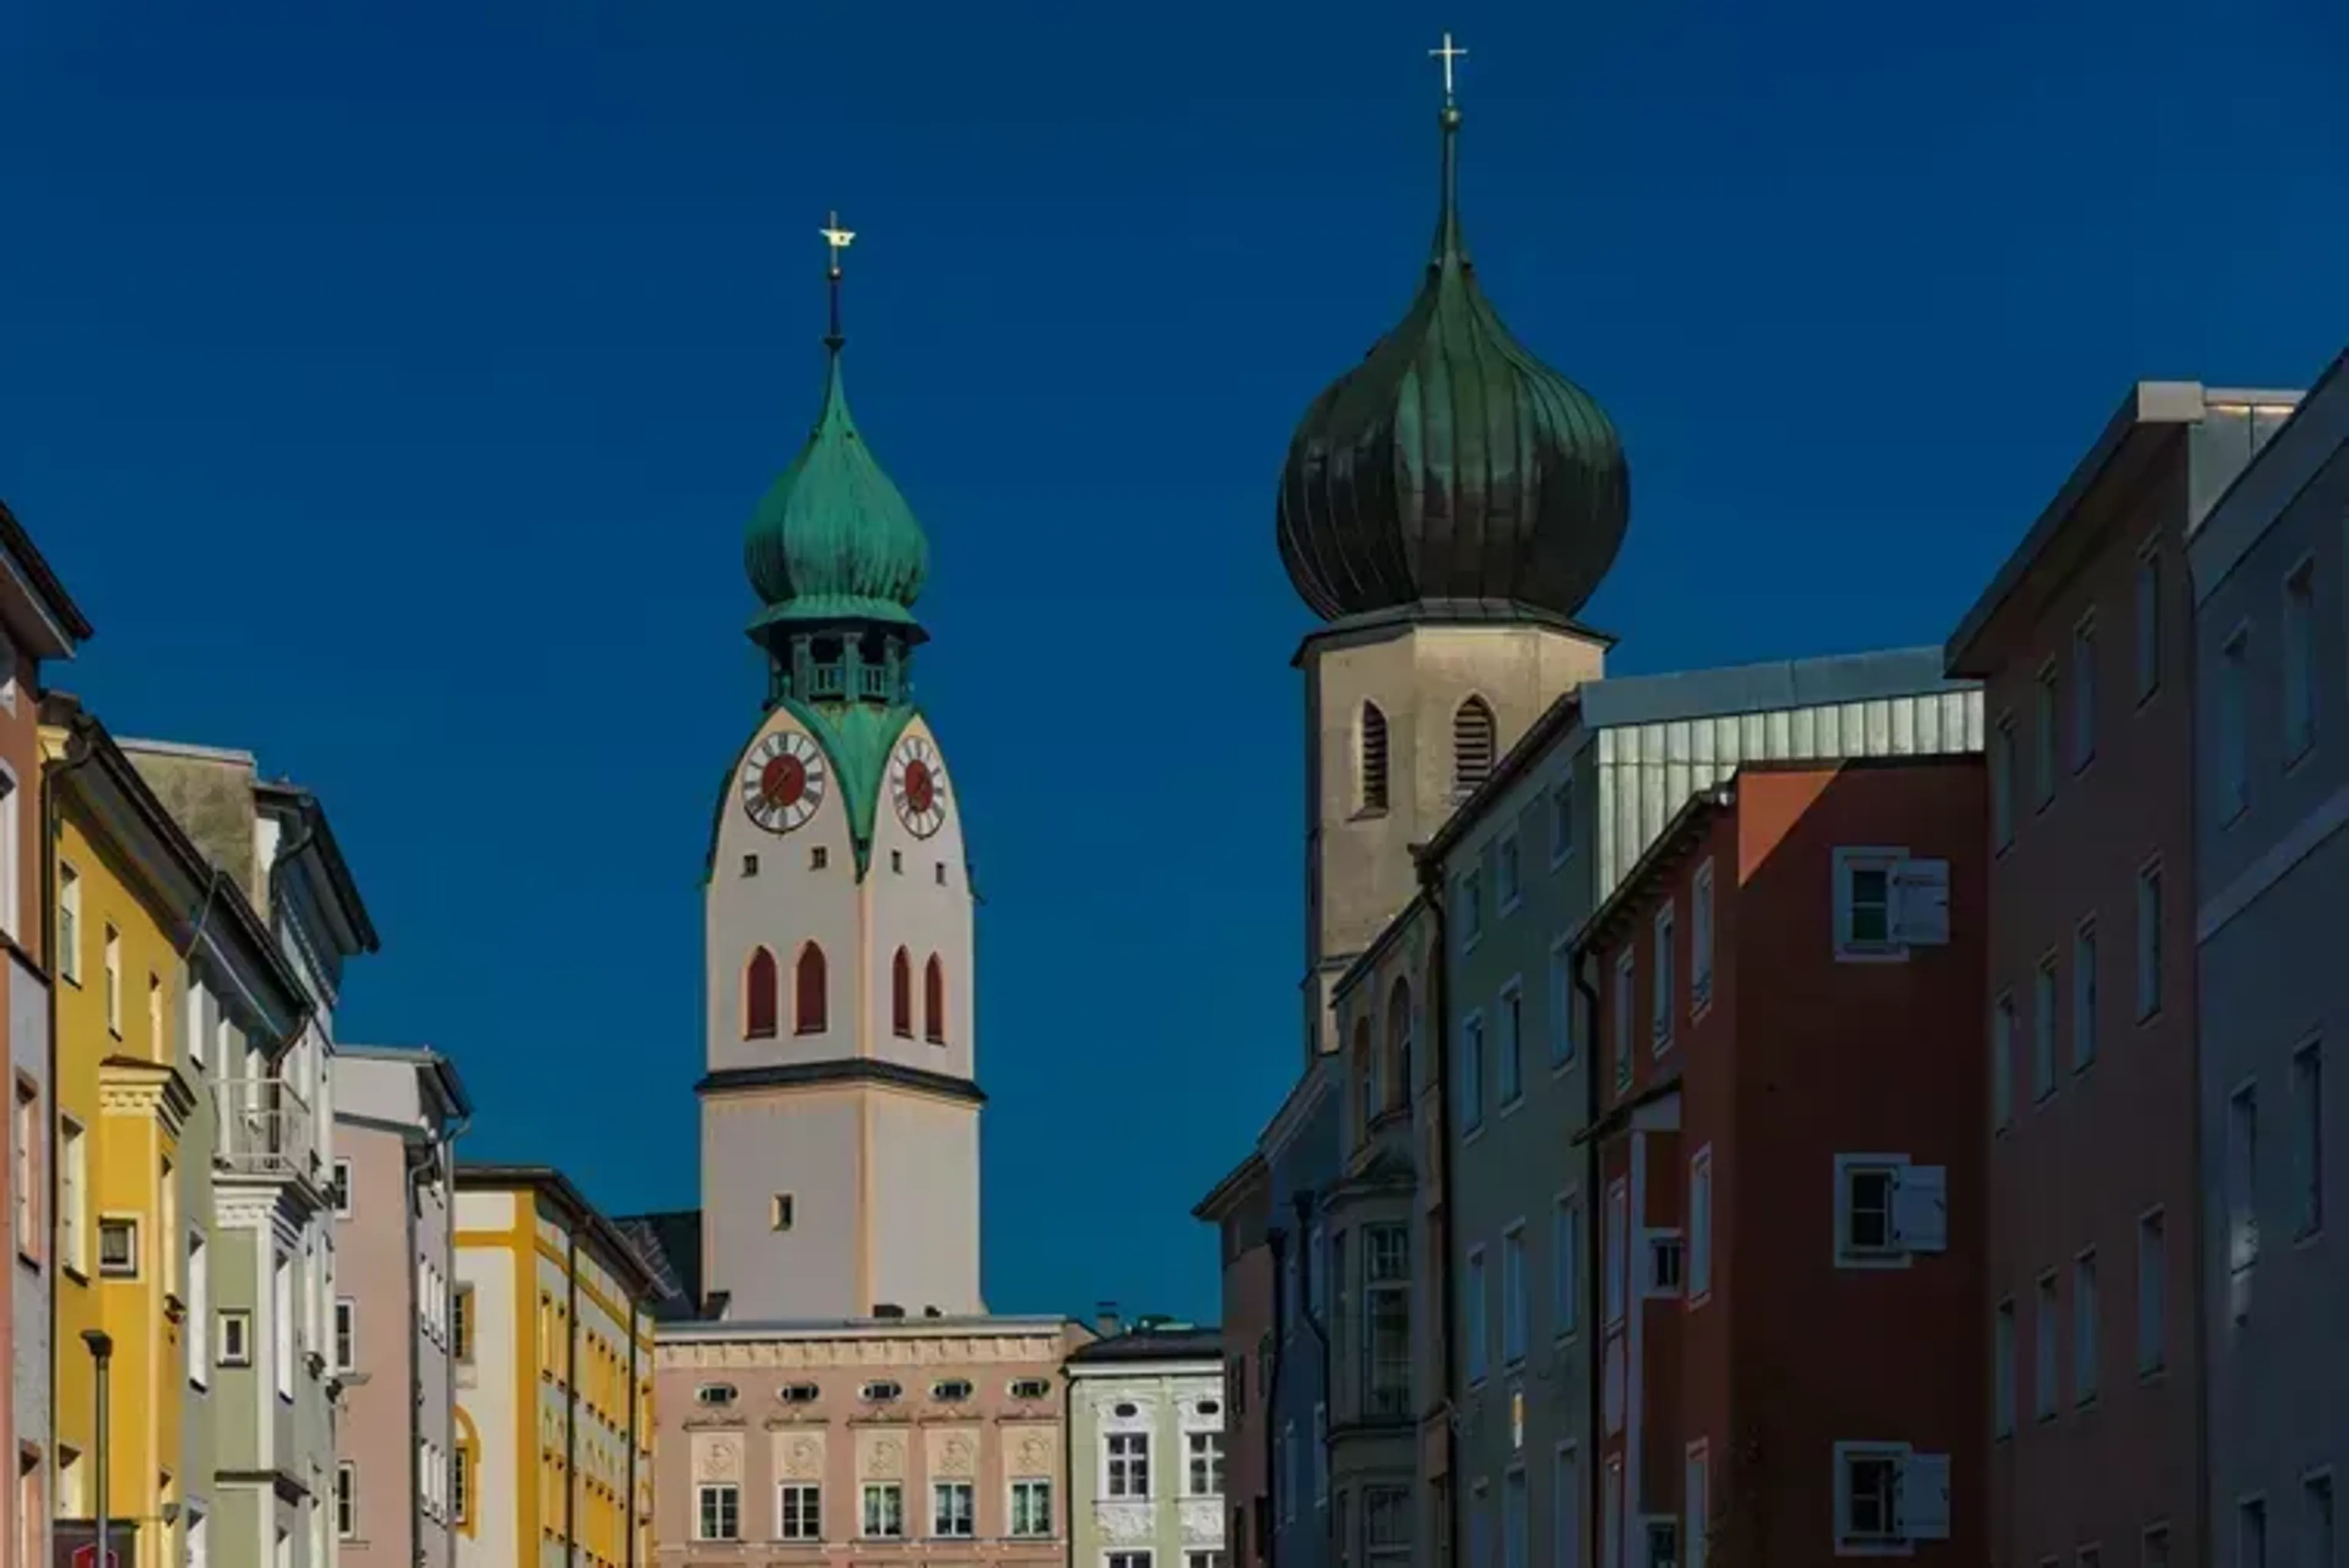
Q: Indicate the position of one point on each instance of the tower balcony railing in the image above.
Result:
(262, 1127)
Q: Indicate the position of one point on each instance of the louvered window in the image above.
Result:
(1472, 745)
(1374, 758)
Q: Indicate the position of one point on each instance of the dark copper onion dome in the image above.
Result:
(1451, 465)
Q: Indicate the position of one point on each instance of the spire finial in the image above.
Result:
(1447, 54)
(839, 240)
(1449, 250)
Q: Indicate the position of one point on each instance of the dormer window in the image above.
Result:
(719, 1394)
(882, 1393)
(1031, 1388)
(799, 1393)
(950, 1391)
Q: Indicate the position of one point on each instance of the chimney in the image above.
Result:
(931, 1312)
(1106, 1322)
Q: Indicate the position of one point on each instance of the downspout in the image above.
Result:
(445, 1154)
(571, 1404)
(1431, 888)
(1303, 1200)
(636, 1437)
(1275, 1240)
(1594, 1415)
(77, 754)
(414, 1182)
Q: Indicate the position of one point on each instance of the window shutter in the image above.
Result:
(1920, 1208)
(1920, 903)
(1920, 1508)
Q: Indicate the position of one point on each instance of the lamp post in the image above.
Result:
(101, 1350)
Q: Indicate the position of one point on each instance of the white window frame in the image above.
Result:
(1696, 1502)
(1846, 1542)
(1663, 976)
(129, 1225)
(1853, 858)
(346, 1501)
(871, 1491)
(1033, 1486)
(234, 1329)
(1203, 1446)
(1701, 939)
(703, 1493)
(345, 1196)
(1120, 1466)
(784, 1529)
(944, 1494)
(1892, 1255)
(1697, 1269)
(347, 1333)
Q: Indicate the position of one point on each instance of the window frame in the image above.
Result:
(1696, 1267)
(1663, 978)
(883, 1492)
(1849, 1253)
(1478, 1286)
(1849, 860)
(706, 1492)
(2084, 691)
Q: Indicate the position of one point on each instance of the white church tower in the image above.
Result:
(839, 1115)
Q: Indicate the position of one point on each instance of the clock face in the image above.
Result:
(782, 781)
(918, 786)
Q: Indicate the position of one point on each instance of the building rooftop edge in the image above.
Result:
(890, 1327)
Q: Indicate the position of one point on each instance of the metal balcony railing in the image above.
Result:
(263, 1128)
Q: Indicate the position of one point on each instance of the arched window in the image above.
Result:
(809, 992)
(761, 992)
(933, 1001)
(1473, 746)
(1398, 1042)
(901, 995)
(1372, 760)
(1367, 1105)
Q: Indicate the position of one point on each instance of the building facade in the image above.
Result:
(1146, 1476)
(554, 1397)
(1780, 991)
(396, 1326)
(1239, 1209)
(2085, 643)
(39, 624)
(1508, 1081)
(165, 966)
(815, 1441)
(2272, 871)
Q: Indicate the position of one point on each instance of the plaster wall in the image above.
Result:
(1166, 1405)
(492, 1385)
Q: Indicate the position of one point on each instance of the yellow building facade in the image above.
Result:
(554, 1421)
(140, 917)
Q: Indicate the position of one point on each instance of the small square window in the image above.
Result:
(342, 1189)
(117, 1247)
(939, 871)
(236, 1337)
(818, 857)
(780, 1213)
(897, 861)
(750, 865)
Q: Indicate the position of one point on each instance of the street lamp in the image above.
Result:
(101, 1350)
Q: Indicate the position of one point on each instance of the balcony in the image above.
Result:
(263, 1128)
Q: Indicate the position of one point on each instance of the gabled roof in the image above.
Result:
(545, 1181)
(45, 617)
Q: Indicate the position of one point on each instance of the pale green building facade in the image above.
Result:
(1147, 1451)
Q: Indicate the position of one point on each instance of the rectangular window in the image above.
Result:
(2002, 1063)
(1472, 900)
(1129, 1464)
(2001, 784)
(1701, 939)
(460, 1322)
(1566, 1508)
(1205, 1471)
(68, 923)
(2087, 1307)
(2044, 708)
(2308, 1138)
(1505, 873)
(799, 1512)
(1512, 1295)
(2152, 1279)
(1288, 1487)
(341, 1189)
(281, 1313)
(1565, 1263)
(2242, 1195)
(236, 1337)
(199, 1310)
(1618, 1241)
(2316, 1536)
(2003, 1371)
(1320, 1456)
(1661, 1006)
(1479, 1312)
(113, 976)
(346, 1501)
(1129, 1560)
(2083, 996)
(718, 1513)
(1561, 821)
(1696, 1492)
(1626, 998)
(73, 1195)
(1472, 1072)
(1511, 1014)
(1700, 1226)
(347, 1335)
(28, 1136)
(1480, 1528)
(2149, 941)
(2232, 778)
(155, 1052)
(1865, 1194)
(2149, 625)
(2251, 1533)
(1386, 1523)
(1386, 1344)
(953, 1511)
(2083, 692)
(2043, 991)
(2044, 1327)
(884, 1510)
(2298, 661)
(118, 1246)
(1561, 1003)
(1031, 1508)
(460, 1487)
(1867, 1487)
(1514, 1525)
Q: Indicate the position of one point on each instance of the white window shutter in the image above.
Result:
(1920, 903)
(1921, 1208)
(1920, 1508)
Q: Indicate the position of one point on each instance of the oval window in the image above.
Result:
(714, 1394)
(1127, 1411)
(1031, 1388)
(882, 1393)
(799, 1393)
(952, 1390)
(1210, 1407)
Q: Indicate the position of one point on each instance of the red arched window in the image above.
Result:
(1399, 1044)
(808, 992)
(760, 995)
(901, 995)
(933, 1001)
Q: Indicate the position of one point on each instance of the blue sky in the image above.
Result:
(391, 384)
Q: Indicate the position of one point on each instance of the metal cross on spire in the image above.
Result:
(838, 238)
(1447, 54)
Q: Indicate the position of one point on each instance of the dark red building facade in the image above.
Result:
(1790, 1130)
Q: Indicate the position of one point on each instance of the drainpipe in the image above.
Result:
(444, 1155)
(571, 1404)
(1303, 1200)
(1431, 888)
(1276, 1241)
(1594, 1415)
(635, 1414)
(413, 1181)
(77, 754)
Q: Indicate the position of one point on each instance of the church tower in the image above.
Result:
(839, 1118)
(1446, 508)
